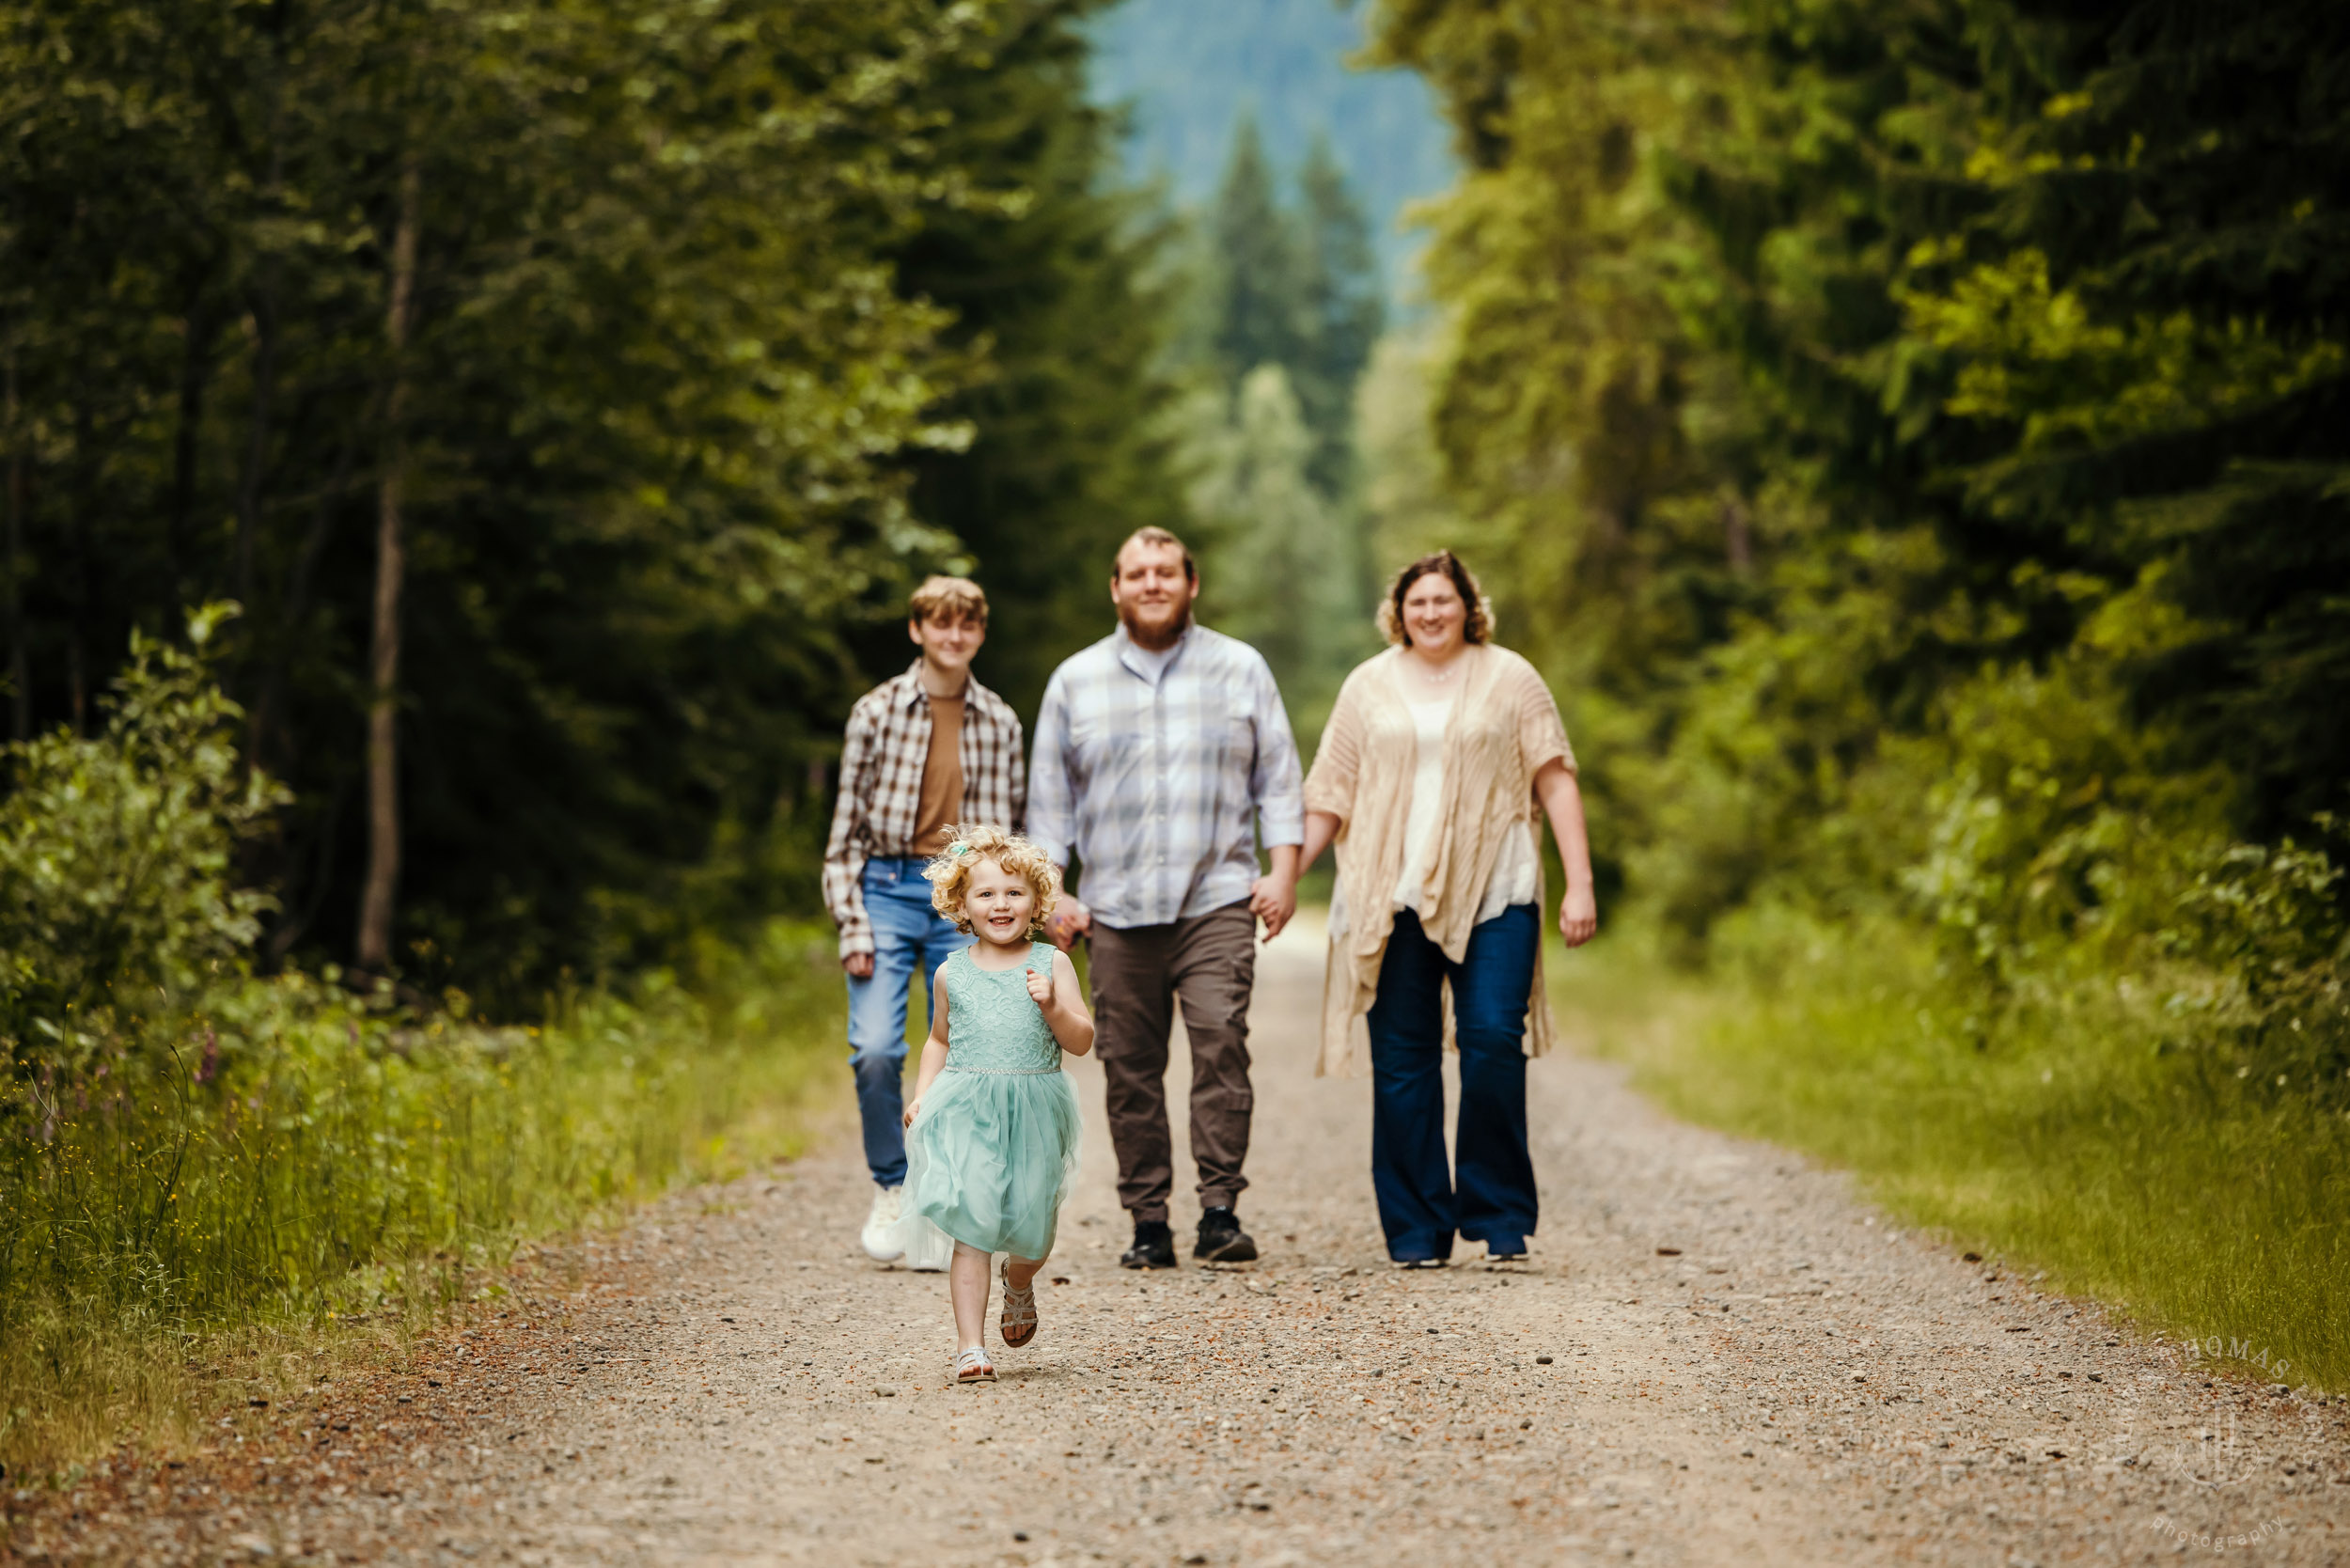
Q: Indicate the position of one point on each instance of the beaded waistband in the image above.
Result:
(1007, 1071)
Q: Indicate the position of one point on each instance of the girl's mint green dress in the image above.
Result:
(991, 1154)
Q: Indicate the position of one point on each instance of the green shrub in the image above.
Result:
(115, 857)
(2061, 872)
(190, 1153)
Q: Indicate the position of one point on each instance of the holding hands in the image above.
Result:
(1273, 899)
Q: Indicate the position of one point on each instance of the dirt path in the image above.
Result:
(1797, 1383)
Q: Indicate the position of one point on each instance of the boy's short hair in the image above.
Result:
(950, 873)
(947, 599)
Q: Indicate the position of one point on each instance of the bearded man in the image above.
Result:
(1163, 760)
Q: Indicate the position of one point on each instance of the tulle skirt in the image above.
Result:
(988, 1162)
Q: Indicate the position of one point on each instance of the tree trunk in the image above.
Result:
(200, 323)
(77, 526)
(20, 675)
(1737, 534)
(383, 879)
(263, 305)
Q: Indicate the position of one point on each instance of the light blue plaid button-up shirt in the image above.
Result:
(1163, 785)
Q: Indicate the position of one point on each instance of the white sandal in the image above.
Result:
(1018, 1324)
(973, 1366)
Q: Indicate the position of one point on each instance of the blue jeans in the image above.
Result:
(1418, 1206)
(910, 941)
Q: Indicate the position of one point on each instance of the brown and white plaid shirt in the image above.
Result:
(881, 786)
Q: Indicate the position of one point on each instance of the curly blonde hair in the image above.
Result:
(950, 873)
(1443, 563)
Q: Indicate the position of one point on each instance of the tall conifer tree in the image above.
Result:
(1255, 276)
(1344, 310)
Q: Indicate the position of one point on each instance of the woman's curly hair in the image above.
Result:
(950, 874)
(1443, 563)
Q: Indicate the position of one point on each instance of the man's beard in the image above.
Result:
(1153, 642)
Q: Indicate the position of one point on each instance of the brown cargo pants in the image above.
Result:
(1210, 961)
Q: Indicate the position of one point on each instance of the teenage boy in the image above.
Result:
(927, 750)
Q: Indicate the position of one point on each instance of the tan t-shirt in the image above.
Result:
(941, 802)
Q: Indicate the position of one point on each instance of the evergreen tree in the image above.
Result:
(1297, 287)
(2149, 326)
(1048, 294)
(1255, 276)
(1827, 371)
(1282, 572)
(1345, 312)
(681, 330)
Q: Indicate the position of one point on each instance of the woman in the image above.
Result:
(1427, 779)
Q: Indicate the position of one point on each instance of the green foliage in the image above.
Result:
(1057, 297)
(1296, 288)
(1407, 508)
(1345, 313)
(1188, 74)
(1285, 565)
(188, 1151)
(1794, 392)
(1257, 281)
(276, 1153)
(703, 290)
(116, 888)
(2146, 318)
(1285, 314)
(1912, 438)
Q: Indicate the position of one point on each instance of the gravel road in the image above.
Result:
(1716, 1356)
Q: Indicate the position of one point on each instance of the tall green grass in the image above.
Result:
(286, 1154)
(2194, 1192)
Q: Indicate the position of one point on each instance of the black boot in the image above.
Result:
(1222, 1240)
(1154, 1245)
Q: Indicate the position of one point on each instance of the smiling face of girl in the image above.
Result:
(1001, 906)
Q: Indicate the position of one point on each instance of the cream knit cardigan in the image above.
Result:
(1502, 731)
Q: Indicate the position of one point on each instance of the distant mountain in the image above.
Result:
(1190, 68)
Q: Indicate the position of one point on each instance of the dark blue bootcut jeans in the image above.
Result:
(1420, 1205)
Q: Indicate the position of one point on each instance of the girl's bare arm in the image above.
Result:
(933, 1044)
(1059, 997)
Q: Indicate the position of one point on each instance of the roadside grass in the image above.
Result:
(298, 1176)
(2195, 1197)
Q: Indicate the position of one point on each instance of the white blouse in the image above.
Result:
(1514, 871)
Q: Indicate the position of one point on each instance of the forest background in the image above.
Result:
(1909, 439)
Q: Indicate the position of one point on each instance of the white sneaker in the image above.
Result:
(880, 1245)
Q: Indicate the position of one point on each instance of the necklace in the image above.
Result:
(1430, 672)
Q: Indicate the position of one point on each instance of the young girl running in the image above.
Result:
(992, 1133)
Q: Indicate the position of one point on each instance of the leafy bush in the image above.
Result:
(115, 857)
(2056, 862)
(188, 1149)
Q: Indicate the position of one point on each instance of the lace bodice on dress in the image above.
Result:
(992, 1024)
